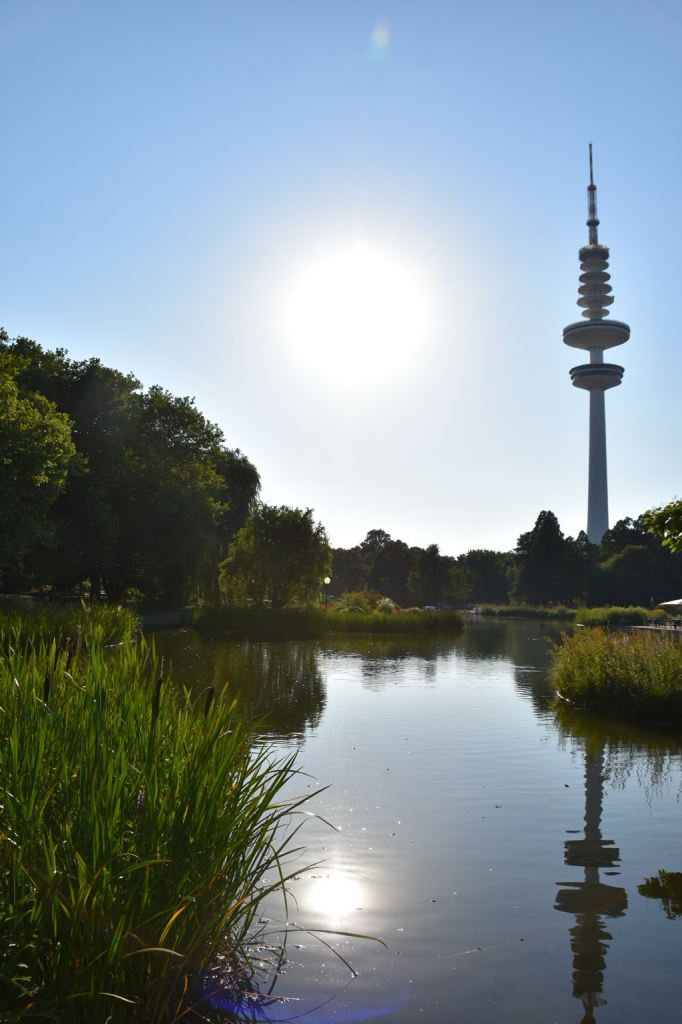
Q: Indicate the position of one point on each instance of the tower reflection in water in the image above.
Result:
(591, 900)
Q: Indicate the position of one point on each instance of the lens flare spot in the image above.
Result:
(380, 36)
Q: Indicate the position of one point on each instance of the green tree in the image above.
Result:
(547, 564)
(349, 570)
(280, 555)
(490, 575)
(153, 498)
(665, 522)
(436, 579)
(624, 533)
(637, 575)
(375, 541)
(35, 452)
(391, 569)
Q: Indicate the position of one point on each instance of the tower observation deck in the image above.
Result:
(595, 334)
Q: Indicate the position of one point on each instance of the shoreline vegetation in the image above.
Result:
(311, 622)
(137, 831)
(636, 675)
(603, 616)
(71, 624)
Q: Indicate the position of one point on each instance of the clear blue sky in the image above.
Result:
(170, 167)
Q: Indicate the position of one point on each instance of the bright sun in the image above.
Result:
(356, 315)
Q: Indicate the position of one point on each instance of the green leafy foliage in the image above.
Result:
(70, 625)
(631, 675)
(489, 575)
(35, 452)
(312, 622)
(437, 579)
(549, 567)
(613, 615)
(280, 555)
(665, 522)
(136, 832)
(152, 498)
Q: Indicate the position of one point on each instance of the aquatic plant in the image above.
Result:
(617, 616)
(136, 833)
(75, 621)
(631, 675)
(311, 622)
(526, 611)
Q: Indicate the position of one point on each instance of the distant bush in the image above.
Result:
(364, 601)
(526, 611)
(386, 606)
(294, 622)
(616, 616)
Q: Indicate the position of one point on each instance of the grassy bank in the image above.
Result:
(526, 611)
(312, 622)
(609, 616)
(136, 833)
(630, 675)
(42, 621)
(618, 616)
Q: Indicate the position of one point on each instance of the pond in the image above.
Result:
(494, 843)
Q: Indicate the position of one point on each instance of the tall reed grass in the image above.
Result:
(76, 621)
(527, 611)
(630, 675)
(618, 616)
(136, 832)
(311, 622)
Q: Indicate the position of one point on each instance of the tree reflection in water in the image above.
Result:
(666, 886)
(278, 681)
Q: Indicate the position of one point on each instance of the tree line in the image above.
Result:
(114, 490)
(631, 566)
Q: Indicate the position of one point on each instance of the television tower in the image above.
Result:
(596, 376)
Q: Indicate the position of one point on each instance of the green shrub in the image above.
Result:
(135, 832)
(616, 616)
(299, 623)
(386, 606)
(631, 675)
(526, 611)
(364, 601)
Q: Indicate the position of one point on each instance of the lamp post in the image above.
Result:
(326, 582)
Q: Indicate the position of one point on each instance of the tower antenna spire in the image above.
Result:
(595, 334)
(592, 221)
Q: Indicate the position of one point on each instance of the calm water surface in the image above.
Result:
(495, 845)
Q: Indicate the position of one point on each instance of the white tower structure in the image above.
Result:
(596, 335)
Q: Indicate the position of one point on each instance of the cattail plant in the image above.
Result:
(135, 836)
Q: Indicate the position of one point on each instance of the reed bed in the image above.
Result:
(312, 622)
(629, 675)
(527, 611)
(136, 834)
(615, 615)
(75, 622)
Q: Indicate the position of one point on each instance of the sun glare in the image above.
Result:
(356, 314)
(335, 896)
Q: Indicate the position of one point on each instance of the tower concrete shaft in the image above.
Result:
(595, 336)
